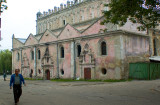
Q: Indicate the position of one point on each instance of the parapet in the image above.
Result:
(57, 9)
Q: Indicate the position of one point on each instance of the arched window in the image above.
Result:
(103, 48)
(78, 50)
(18, 57)
(39, 54)
(32, 55)
(62, 52)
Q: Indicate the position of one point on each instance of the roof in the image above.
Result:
(22, 40)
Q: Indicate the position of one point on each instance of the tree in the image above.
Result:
(145, 12)
(5, 61)
(3, 5)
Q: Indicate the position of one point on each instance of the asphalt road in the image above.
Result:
(84, 93)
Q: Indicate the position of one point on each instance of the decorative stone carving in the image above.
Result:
(86, 56)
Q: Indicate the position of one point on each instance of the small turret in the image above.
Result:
(49, 11)
(75, 1)
(72, 3)
(39, 14)
(61, 6)
(55, 9)
(68, 3)
(65, 6)
(13, 36)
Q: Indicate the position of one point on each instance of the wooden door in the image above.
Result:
(48, 74)
(87, 73)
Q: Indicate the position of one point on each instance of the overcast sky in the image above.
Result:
(20, 18)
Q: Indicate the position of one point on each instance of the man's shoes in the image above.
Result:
(17, 100)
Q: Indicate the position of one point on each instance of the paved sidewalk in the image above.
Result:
(84, 93)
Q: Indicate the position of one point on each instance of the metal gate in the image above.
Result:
(144, 71)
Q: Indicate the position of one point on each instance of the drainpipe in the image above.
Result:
(57, 62)
(35, 61)
(21, 61)
(74, 60)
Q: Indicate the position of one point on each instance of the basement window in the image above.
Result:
(62, 71)
(104, 71)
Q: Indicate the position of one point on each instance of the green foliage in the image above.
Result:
(33, 79)
(71, 80)
(3, 5)
(136, 11)
(5, 61)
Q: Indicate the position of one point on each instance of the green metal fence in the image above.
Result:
(146, 71)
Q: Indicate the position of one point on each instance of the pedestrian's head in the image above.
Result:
(16, 71)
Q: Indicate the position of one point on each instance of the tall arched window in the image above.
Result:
(32, 55)
(103, 48)
(62, 52)
(78, 50)
(155, 47)
(39, 54)
(18, 57)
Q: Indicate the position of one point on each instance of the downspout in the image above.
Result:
(21, 61)
(35, 61)
(122, 52)
(57, 62)
(74, 60)
(12, 54)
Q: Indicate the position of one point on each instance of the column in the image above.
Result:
(35, 62)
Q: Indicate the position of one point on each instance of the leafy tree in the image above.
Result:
(145, 12)
(3, 5)
(5, 61)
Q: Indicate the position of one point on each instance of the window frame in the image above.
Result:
(100, 47)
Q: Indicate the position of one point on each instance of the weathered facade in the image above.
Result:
(71, 43)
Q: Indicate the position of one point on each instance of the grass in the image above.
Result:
(33, 79)
(71, 80)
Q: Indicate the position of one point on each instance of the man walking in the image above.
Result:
(16, 81)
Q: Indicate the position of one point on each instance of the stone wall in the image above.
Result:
(72, 14)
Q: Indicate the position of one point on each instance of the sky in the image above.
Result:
(20, 18)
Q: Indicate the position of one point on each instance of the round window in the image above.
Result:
(62, 71)
(104, 71)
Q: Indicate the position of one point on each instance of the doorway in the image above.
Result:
(47, 74)
(87, 73)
